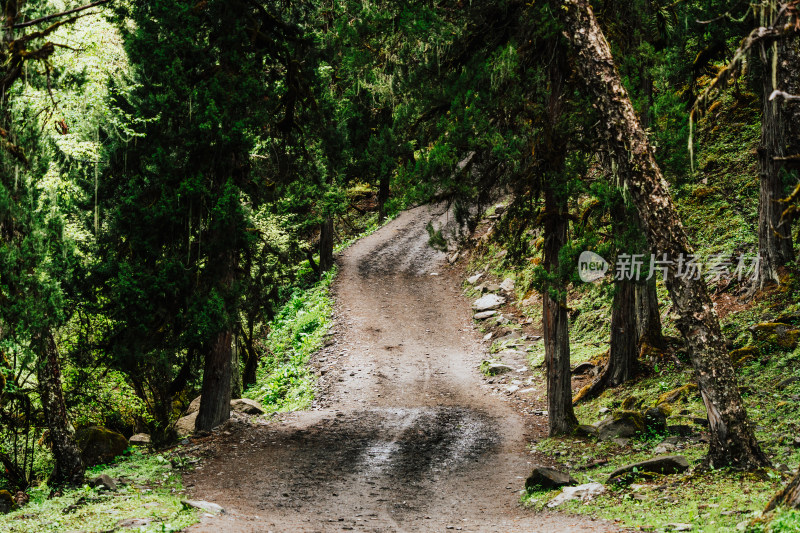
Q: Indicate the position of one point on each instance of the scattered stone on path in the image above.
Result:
(247, 406)
(104, 481)
(453, 258)
(204, 506)
(622, 424)
(585, 493)
(495, 369)
(512, 389)
(483, 315)
(488, 302)
(507, 286)
(543, 477)
(475, 279)
(669, 464)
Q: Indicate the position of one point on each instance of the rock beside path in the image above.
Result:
(204, 506)
(247, 406)
(543, 477)
(668, 464)
(488, 303)
(585, 493)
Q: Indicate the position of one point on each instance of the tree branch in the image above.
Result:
(57, 15)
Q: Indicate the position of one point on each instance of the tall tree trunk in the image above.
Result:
(383, 195)
(648, 316)
(251, 363)
(69, 467)
(236, 367)
(215, 404)
(788, 497)
(624, 344)
(555, 323)
(326, 245)
(774, 238)
(732, 441)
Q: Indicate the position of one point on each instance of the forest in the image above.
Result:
(204, 203)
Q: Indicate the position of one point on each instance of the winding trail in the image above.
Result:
(405, 435)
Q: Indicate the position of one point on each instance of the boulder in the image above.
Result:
(185, 426)
(194, 406)
(543, 477)
(621, 424)
(484, 315)
(655, 419)
(783, 335)
(488, 302)
(100, 445)
(742, 355)
(140, 439)
(585, 430)
(581, 492)
(6, 501)
(247, 406)
(668, 464)
(104, 481)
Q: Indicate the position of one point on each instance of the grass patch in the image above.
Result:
(284, 382)
(149, 488)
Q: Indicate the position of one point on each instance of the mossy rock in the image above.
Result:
(776, 333)
(743, 355)
(677, 394)
(630, 403)
(621, 424)
(6, 501)
(100, 445)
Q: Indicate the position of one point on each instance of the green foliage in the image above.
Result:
(284, 382)
(148, 488)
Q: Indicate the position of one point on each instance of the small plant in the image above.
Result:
(435, 238)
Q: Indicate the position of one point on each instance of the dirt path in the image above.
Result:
(406, 435)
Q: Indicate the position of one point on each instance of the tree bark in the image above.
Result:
(383, 196)
(788, 497)
(732, 441)
(215, 403)
(774, 238)
(236, 367)
(648, 315)
(326, 246)
(624, 343)
(69, 468)
(251, 363)
(555, 323)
